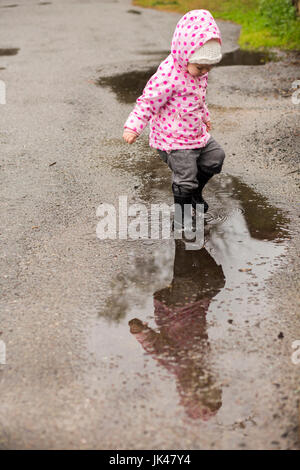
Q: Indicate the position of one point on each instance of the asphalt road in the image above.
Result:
(75, 376)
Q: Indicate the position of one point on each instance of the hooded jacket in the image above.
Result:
(173, 100)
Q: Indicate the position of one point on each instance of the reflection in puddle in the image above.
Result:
(180, 342)
(179, 303)
(11, 51)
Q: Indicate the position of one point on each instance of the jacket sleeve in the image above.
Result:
(157, 92)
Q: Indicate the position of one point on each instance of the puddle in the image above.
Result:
(160, 53)
(167, 316)
(237, 57)
(7, 52)
(134, 12)
(10, 6)
(129, 86)
(164, 2)
(244, 57)
(239, 219)
(153, 185)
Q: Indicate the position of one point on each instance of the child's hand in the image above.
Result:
(129, 137)
(208, 125)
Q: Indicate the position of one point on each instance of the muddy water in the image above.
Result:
(182, 328)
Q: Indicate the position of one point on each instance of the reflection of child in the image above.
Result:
(181, 345)
(173, 101)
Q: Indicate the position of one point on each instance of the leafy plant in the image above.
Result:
(279, 15)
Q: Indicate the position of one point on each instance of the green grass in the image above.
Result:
(265, 23)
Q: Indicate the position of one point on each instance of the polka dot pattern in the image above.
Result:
(174, 101)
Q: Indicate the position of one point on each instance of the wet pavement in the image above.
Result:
(141, 344)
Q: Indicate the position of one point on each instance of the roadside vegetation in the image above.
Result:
(265, 23)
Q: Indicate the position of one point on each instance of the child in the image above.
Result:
(174, 102)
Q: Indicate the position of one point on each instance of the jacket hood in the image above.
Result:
(193, 30)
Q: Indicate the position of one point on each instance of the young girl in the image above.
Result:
(173, 101)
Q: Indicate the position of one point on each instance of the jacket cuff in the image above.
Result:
(131, 130)
(135, 123)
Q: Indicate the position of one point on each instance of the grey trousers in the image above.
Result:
(186, 164)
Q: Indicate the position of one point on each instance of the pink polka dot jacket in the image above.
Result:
(173, 100)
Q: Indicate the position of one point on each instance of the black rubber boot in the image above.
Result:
(197, 197)
(182, 197)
